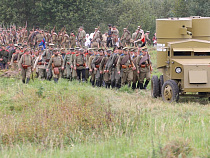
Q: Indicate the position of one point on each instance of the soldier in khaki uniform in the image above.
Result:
(67, 64)
(96, 39)
(79, 65)
(92, 52)
(47, 54)
(56, 62)
(72, 40)
(103, 68)
(137, 37)
(40, 64)
(25, 65)
(144, 68)
(65, 41)
(73, 56)
(96, 65)
(39, 37)
(81, 37)
(135, 74)
(87, 56)
(115, 35)
(125, 39)
(14, 59)
(54, 37)
(125, 67)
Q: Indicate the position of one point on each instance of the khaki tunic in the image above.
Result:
(56, 62)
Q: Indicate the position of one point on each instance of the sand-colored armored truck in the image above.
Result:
(183, 57)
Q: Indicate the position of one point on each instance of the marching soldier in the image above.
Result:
(79, 65)
(67, 63)
(135, 74)
(54, 36)
(65, 41)
(40, 64)
(87, 56)
(72, 39)
(4, 56)
(125, 39)
(14, 59)
(96, 64)
(47, 54)
(56, 62)
(91, 70)
(59, 39)
(115, 34)
(81, 37)
(125, 67)
(96, 39)
(137, 37)
(73, 56)
(103, 69)
(144, 68)
(109, 36)
(25, 65)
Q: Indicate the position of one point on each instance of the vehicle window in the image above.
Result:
(201, 53)
(184, 53)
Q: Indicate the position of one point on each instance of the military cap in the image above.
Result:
(62, 49)
(21, 47)
(114, 26)
(27, 50)
(110, 25)
(135, 49)
(77, 48)
(101, 50)
(15, 45)
(19, 44)
(144, 48)
(91, 48)
(131, 49)
(71, 49)
(55, 50)
(81, 50)
(96, 28)
(125, 29)
(120, 47)
(109, 51)
(147, 31)
(51, 44)
(125, 48)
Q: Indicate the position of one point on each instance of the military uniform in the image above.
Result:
(25, 64)
(39, 38)
(67, 65)
(40, 64)
(96, 39)
(91, 70)
(79, 64)
(56, 62)
(136, 38)
(115, 34)
(65, 41)
(135, 74)
(126, 38)
(14, 61)
(47, 54)
(72, 39)
(81, 38)
(115, 77)
(124, 66)
(104, 69)
(4, 56)
(96, 64)
(144, 68)
(54, 38)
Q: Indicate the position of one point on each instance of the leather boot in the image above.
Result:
(141, 85)
(55, 80)
(23, 81)
(138, 85)
(27, 80)
(133, 86)
(145, 84)
(112, 84)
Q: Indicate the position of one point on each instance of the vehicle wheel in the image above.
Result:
(161, 81)
(155, 91)
(170, 91)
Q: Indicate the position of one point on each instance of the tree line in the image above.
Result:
(97, 13)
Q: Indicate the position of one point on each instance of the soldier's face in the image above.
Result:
(144, 52)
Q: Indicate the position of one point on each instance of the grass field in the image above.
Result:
(72, 119)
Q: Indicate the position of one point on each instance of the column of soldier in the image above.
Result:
(109, 61)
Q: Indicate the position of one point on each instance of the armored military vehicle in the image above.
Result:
(183, 57)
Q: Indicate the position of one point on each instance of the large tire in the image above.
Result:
(161, 81)
(170, 91)
(155, 91)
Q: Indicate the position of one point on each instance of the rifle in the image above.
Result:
(32, 75)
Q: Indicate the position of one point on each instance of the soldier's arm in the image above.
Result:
(32, 62)
(93, 63)
(75, 61)
(64, 61)
(102, 64)
(36, 61)
(118, 63)
(61, 61)
(137, 63)
(20, 62)
(50, 63)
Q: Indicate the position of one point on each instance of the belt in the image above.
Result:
(40, 63)
(97, 66)
(80, 65)
(143, 66)
(124, 66)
